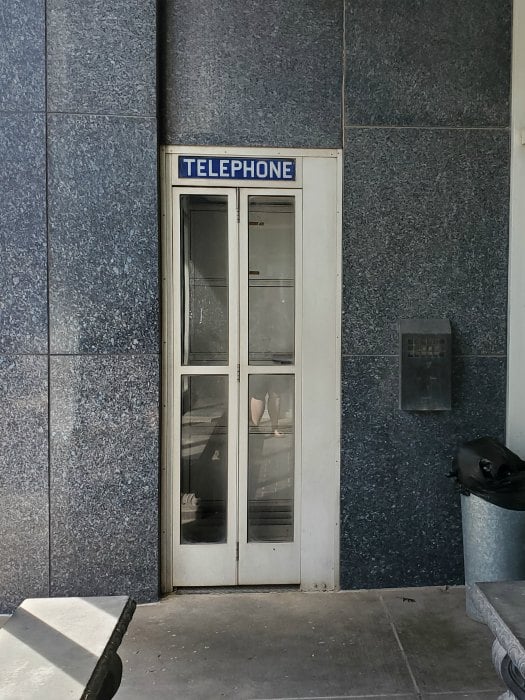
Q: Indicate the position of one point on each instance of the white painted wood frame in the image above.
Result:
(321, 184)
(516, 306)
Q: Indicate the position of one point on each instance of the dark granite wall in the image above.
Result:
(426, 145)
(79, 327)
(425, 235)
(103, 297)
(252, 73)
(24, 472)
(426, 142)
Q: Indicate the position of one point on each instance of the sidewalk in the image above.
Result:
(403, 644)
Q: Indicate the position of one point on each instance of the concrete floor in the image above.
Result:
(403, 644)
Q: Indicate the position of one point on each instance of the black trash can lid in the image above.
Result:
(488, 469)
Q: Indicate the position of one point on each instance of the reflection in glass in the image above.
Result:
(204, 459)
(271, 280)
(271, 458)
(204, 291)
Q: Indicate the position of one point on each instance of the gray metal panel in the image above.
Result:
(425, 371)
(493, 544)
(424, 325)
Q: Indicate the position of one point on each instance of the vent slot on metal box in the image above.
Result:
(425, 376)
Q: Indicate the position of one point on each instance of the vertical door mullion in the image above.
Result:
(177, 359)
(267, 562)
(205, 563)
(298, 410)
(233, 353)
(243, 366)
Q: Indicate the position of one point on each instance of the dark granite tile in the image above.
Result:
(425, 235)
(428, 62)
(103, 234)
(104, 476)
(238, 72)
(24, 544)
(22, 55)
(23, 247)
(101, 56)
(401, 523)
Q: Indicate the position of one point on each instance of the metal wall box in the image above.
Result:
(425, 372)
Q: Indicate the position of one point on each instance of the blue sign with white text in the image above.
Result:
(224, 168)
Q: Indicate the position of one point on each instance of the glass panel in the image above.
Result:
(271, 280)
(271, 458)
(204, 293)
(204, 459)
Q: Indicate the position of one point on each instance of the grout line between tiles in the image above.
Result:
(113, 115)
(463, 693)
(454, 357)
(48, 307)
(341, 697)
(343, 79)
(402, 127)
(403, 653)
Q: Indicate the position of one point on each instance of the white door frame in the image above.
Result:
(283, 559)
(515, 437)
(319, 175)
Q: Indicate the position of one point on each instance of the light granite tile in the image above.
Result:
(101, 57)
(24, 544)
(22, 55)
(104, 476)
(23, 245)
(104, 288)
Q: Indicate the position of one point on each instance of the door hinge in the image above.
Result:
(238, 205)
(237, 552)
(238, 373)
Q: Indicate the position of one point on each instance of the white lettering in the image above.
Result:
(236, 166)
(248, 168)
(275, 170)
(201, 167)
(262, 169)
(187, 162)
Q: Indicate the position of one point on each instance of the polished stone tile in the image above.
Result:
(263, 645)
(103, 234)
(23, 253)
(436, 634)
(101, 57)
(24, 544)
(252, 73)
(104, 476)
(401, 523)
(425, 235)
(22, 55)
(428, 63)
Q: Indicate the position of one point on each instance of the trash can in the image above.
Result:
(492, 484)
